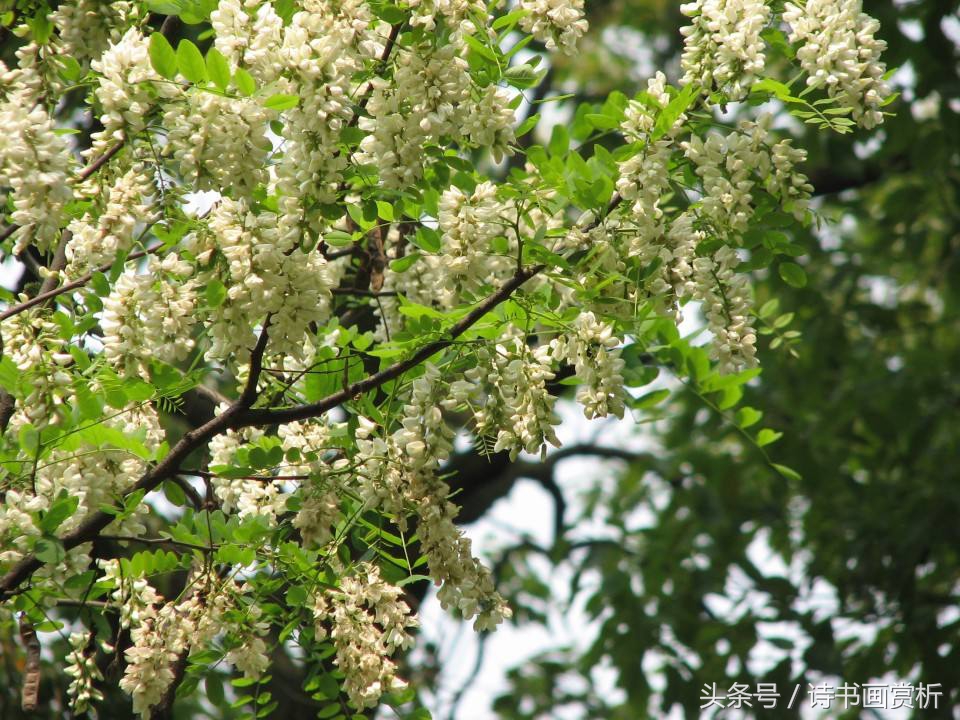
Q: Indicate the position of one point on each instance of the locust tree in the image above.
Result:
(278, 260)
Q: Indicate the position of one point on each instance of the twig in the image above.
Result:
(157, 541)
(309, 410)
(249, 394)
(262, 478)
(79, 282)
(188, 490)
(364, 293)
(344, 252)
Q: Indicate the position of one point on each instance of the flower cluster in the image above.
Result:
(592, 350)
(399, 474)
(507, 388)
(263, 273)
(82, 667)
(839, 51)
(243, 496)
(219, 141)
(36, 349)
(428, 98)
(726, 301)
(723, 50)
(469, 223)
(85, 28)
(249, 34)
(160, 631)
(150, 315)
(320, 501)
(323, 48)
(559, 24)
(127, 90)
(97, 238)
(731, 166)
(368, 622)
(34, 162)
(95, 478)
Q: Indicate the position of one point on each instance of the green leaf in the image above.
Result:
(527, 125)
(793, 274)
(427, 239)
(509, 20)
(174, 493)
(214, 685)
(41, 28)
(59, 511)
(601, 122)
(244, 82)
(650, 399)
(777, 39)
(391, 13)
(49, 550)
(412, 579)
(296, 596)
(360, 215)
(215, 292)
(165, 7)
(281, 102)
(482, 50)
(71, 70)
(405, 263)
(338, 238)
(191, 63)
(775, 88)
(162, 56)
(9, 375)
(786, 472)
(522, 76)
(674, 109)
(100, 284)
(205, 657)
(748, 416)
(768, 436)
(559, 140)
(217, 68)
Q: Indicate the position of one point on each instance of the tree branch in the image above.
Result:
(309, 410)
(157, 541)
(240, 414)
(79, 282)
(91, 528)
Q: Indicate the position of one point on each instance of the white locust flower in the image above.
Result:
(839, 52)
(723, 50)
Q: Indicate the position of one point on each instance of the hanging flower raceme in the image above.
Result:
(839, 52)
(723, 50)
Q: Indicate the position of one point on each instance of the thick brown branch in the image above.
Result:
(91, 528)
